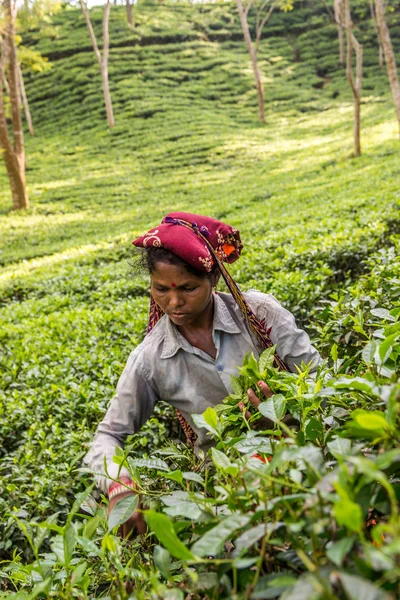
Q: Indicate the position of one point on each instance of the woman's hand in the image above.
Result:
(262, 422)
(135, 522)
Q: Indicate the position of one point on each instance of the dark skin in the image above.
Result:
(188, 302)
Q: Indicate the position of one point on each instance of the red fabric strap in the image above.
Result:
(126, 481)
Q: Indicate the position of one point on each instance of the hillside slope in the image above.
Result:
(186, 124)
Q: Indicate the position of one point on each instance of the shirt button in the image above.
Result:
(220, 367)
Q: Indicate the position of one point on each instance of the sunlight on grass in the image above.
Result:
(28, 266)
(382, 132)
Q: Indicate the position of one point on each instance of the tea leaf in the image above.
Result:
(221, 461)
(370, 420)
(210, 417)
(274, 408)
(150, 463)
(190, 476)
(123, 510)
(348, 514)
(163, 528)
(69, 542)
(356, 588)
(382, 313)
(88, 545)
(236, 387)
(213, 541)
(369, 351)
(339, 446)
(162, 560)
(337, 551)
(267, 358)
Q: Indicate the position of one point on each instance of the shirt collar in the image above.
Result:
(174, 340)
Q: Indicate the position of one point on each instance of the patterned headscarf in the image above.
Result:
(188, 242)
(205, 243)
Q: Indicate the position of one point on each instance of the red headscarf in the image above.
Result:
(195, 239)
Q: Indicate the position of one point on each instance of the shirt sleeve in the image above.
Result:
(129, 409)
(293, 345)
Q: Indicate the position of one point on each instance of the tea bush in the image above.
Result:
(309, 511)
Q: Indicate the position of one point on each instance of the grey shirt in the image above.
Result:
(166, 367)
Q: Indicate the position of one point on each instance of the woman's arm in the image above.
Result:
(130, 408)
(293, 345)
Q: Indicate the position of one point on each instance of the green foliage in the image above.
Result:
(321, 517)
(319, 520)
(295, 394)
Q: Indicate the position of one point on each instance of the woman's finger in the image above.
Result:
(247, 414)
(262, 422)
(135, 523)
(254, 401)
(242, 409)
(265, 389)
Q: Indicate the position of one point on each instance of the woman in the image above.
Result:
(196, 339)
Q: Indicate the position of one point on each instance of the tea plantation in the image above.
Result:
(318, 516)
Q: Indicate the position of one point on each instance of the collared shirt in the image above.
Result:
(165, 366)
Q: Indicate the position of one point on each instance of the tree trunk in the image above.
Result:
(5, 83)
(357, 143)
(129, 12)
(380, 57)
(338, 7)
(103, 62)
(104, 70)
(13, 82)
(373, 17)
(17, 182)
(353, 44)
(389, 55)
(25, 102)
(254, 63)
(107, 97)
(14, 154)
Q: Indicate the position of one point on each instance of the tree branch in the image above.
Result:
(106, 37)
(91, 31)
(265, 19)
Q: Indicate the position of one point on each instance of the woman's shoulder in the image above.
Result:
(263, 305)
(151, 346)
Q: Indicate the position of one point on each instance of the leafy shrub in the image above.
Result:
(287, 513)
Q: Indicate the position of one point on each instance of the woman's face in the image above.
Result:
(182, 296)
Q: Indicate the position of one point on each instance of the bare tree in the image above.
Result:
(102, 60)
(13, 153)
(264, 9)
(373, 17)
(25, 101)
(129, 12)
(389, 54)
(342, 9)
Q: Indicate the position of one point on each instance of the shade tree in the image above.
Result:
(345, 26)
(12, 146)
(129, 12)
(29, 61)
(339, 19)
(102, 59)
(373, 19)
(33, 14)
(263, 10)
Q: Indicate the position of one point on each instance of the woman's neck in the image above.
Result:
(202, 325)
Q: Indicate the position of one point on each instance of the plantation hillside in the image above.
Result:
(321, 233)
